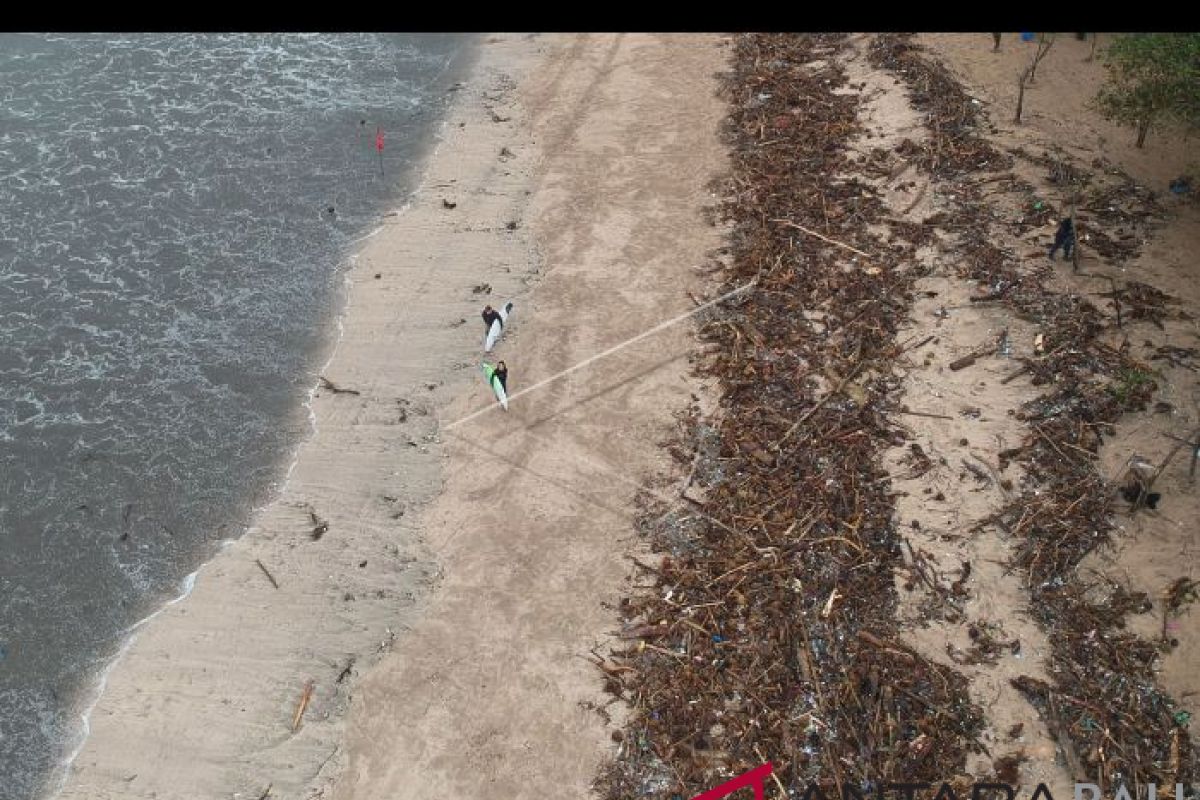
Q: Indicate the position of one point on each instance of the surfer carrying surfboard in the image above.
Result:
(496, 376)
(494, 321)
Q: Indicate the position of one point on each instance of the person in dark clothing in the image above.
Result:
(490, 315)
(1064, 238)
(502, 374)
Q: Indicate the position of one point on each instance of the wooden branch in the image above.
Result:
(1012, 376)
(267, 572)
(841, 385)
(1043, 48)
(1191, 439)
(305, 696)
(1021, 79)
(922, 414)
(791, 224)
(333, 387)
(970, 358)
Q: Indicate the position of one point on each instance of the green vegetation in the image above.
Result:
(1129, 387)
(1153, 80)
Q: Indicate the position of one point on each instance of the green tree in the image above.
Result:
(1153, 80)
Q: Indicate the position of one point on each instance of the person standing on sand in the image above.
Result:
(490, 315)
(1064, 238)
(502, 375)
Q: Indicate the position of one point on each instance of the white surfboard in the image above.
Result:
(489, 372)
(497, 328)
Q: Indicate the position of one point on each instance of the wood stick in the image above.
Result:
(305, 696)
(841, 385)
(919, 344)
(778, 783)
(1166, 594)
(644, 645)
(1038, 430)
(1021, 79)
(332, 753)
(917, 199)
(1116, 298)
(1060, 731)
(1015, 375)
(789, 223)
(691, 476)
(1179, 446)
(333, 387)
(815, 679)
(1075, 244)
(879, 644)
(267, 572)
(970, 358)
(978, 472)
(924, 414)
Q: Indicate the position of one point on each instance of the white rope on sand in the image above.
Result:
(660, 327)
(670, 502)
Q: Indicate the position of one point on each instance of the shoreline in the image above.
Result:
(581, 164)
(107, 739)
(493, 692)
(415, 178)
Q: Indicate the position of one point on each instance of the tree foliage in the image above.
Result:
(1153, 80)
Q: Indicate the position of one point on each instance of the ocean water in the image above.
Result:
(170, 275)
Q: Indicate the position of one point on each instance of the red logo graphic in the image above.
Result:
(755, 777)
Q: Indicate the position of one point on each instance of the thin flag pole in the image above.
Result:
(379, 147)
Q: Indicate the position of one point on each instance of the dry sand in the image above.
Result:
(491, 694)
(446, 642)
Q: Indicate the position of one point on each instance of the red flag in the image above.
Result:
(379, 140)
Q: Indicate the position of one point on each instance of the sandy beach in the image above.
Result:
(435, 595)
(417, 613)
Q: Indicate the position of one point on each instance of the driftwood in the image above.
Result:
(774, 611)
(305, 697)
(267, 572)
(931, 415)
(970, 358)
(823, 238)
(333, 387)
